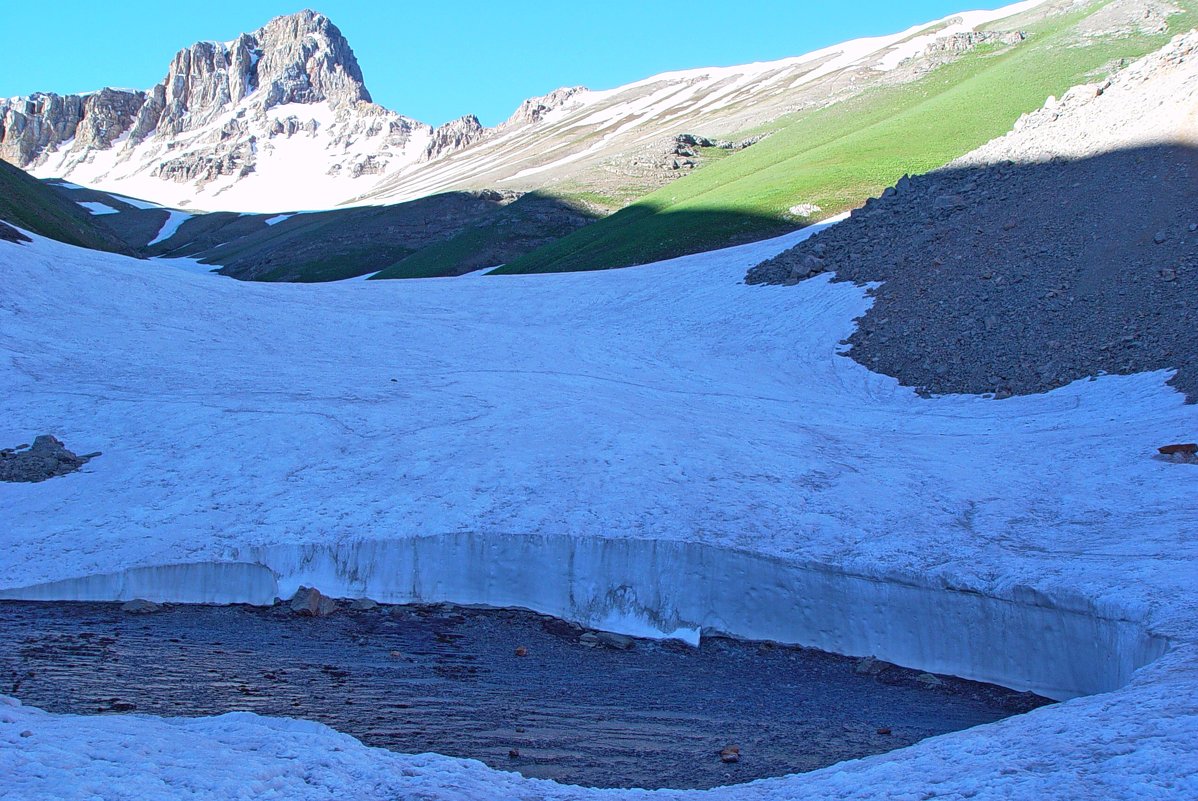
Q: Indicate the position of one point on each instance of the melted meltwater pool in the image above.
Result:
(516, 690)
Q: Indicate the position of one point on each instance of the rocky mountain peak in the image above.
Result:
(299, 58)
(305, 59)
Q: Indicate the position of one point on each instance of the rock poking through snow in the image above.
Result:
(45, 459)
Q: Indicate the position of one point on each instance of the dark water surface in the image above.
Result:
(448, 679)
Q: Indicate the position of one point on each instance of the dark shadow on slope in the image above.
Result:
(445, 234)
(1016, 279)
(642, 233)
(440, 235)
(531, 222)
(28, 203)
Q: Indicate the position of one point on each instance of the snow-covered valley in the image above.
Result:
(656, 450)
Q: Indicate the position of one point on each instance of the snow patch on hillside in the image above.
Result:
(98, 208)
(170, 226)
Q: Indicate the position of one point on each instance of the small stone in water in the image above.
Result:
(883, 730)
(27, 733)
(514, 753)
(730, 754)
(521, 651)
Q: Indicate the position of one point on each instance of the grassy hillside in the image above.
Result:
(838, 156)
(28, 203)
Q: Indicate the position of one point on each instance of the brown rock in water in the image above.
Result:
(884, 731)
(521, 651)
(310, 601)
(514, 753)
(730, 754)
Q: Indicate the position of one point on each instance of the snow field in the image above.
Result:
(658, 450)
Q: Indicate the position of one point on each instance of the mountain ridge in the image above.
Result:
(213, 134)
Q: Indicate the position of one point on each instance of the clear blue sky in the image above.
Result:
(439, 60)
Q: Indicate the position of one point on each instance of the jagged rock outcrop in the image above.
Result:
(30, 126)
(969, 40)
(534, 109)
(453, 135)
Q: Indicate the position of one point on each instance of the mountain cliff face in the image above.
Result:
(224, 113)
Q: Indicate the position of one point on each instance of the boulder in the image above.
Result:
(140, 606)
(309, 601)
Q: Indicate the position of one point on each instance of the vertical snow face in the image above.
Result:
(672, 589)
(198, 583)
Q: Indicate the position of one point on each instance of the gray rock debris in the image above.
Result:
(1017, 279)
(45, 459)
(607, 639)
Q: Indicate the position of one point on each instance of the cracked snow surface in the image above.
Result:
(662, 403)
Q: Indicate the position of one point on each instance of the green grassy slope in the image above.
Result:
(28, 203)
(838, 156)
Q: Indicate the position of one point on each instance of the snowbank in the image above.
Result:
(659, 449)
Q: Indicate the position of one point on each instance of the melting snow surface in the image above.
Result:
(666, 403)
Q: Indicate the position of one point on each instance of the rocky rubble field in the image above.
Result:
(1067, 249)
